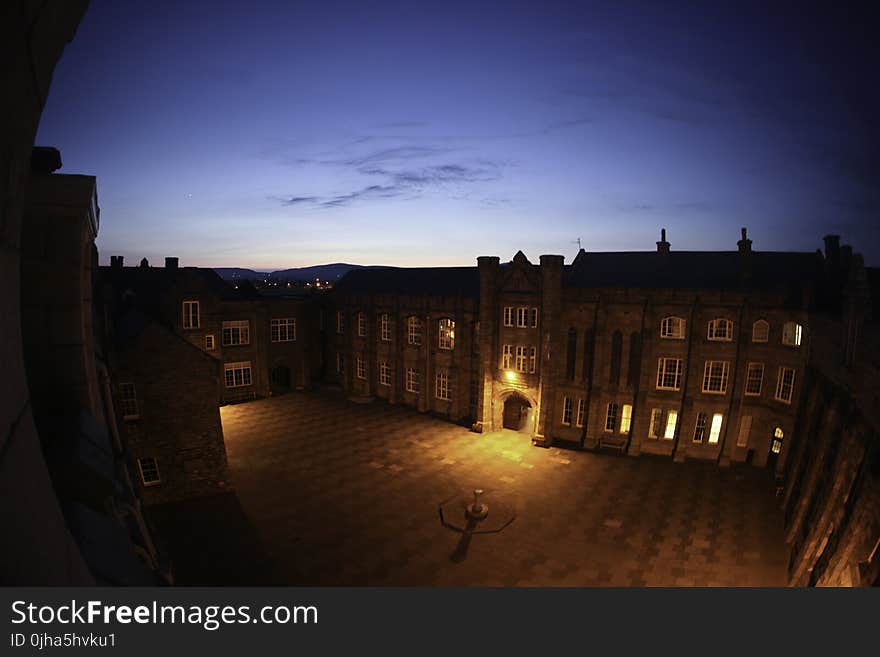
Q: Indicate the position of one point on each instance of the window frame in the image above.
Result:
(581, 412)
(780, 384)
(669, 430)
(662, 373)
(656, 423)
(282, 329)
(361, 324)
(611, 412)
(521, 360)
(700, 427)
(714, 334)
(666, 332)
(508, 315)
(441, 385)
(626, 418)
(154, 466)
(360, 365)
(210, 342)
(340, 322)
(188, 316)
(723, 377)
(715, 429)
(792, 334)
(749, 391)
(238, 366)
(129, 402)
(414, 330)
(764, 336)
(566, 411)
(385, 327)
(235, 327)
(413, 380)
(446, 333)
(384, 373)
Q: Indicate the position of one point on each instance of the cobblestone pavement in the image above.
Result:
(343, 493)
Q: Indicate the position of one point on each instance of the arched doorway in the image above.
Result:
(517, 413)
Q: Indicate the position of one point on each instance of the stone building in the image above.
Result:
(684, 354)
(186, 342)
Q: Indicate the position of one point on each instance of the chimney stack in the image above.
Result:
(145, 264)
(832, 247)
(116, 262)
(170, 263)
(745, 251)
(662, 245)
(45, 159)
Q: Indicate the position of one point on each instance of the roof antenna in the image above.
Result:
(578, 242)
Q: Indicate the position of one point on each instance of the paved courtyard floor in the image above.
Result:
(342, 493)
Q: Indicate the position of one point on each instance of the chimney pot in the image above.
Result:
(662, 245)
(170, 263)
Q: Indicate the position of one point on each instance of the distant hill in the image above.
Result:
(332, 273)
(238, 273)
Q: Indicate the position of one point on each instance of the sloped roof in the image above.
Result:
(688, 269)
(432, 281)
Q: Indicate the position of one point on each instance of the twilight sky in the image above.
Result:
(284, 134)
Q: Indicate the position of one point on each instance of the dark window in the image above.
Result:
(589, 338)
(616, 355)
(571, 354)
(635, 358)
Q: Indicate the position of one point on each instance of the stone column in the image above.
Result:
(551, 351)
(488, 266)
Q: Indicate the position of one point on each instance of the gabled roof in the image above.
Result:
(416, 281)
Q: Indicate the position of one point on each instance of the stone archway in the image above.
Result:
(518, 413)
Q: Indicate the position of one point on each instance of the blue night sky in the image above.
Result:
(274, 135)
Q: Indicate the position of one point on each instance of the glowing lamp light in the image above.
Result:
(511, 375)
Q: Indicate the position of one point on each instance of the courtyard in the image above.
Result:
(345, 493)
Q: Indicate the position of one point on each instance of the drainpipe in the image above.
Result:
(733, 388)
(684, 383)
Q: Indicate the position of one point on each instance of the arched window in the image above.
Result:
(791, 334)
(616, 355)
(571, 354)
(446, 334)
(760, 331)
(721, 329)
(672, 328)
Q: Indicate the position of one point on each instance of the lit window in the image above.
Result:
(721, 329)
(384, 373)
(715, 430)
(611, 417)
(149, 468)
(506, 356)
(715, 376)
(522, 317)
(209, 342)
(777, 432)
(533, 357)
(566, 411)
(700, 428)
(669, 374)
(626, 418)
(745, 427)
(508, 315)
(582, 407)
(191, 315)
(413, 380)
(362, 324)
(791, 334)
(446, 337)
(361, 366)
(534, 315)
(785, 384)
(236, 332)
(672, 328)
(656, 423)
(340, 322)
(128, 400)
(413, 330)
(671, 420)
(441, 385)
(283, 330)
(776, 443)
(760, 331)
(521, 358)
(237, 375)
